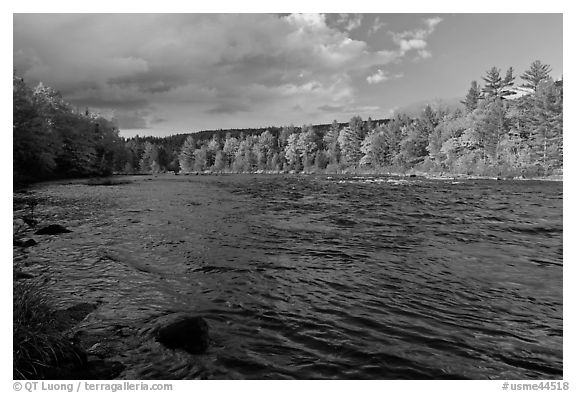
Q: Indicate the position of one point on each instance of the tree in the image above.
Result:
(211, 149)
(201, 158)
(474, 95)
(496, 86)
(331, 143)
(492, 128)
(307, 146)
(34, 146)
(534, 75)
(350, 140)
(245, 159)
(264, 149)
(186, 156)
(219, 161)
(292, 152)
(231, 145)
(375, 148)
(546, 125)
(413, 144)
(149, 160)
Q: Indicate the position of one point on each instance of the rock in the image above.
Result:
(22, 276)
(25, 243)
(189, 333)
(52, 229)
(31, 222)
(69, 317)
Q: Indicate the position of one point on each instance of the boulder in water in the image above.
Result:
(25, 243)
(52, 229)
(18, 275)
(189, 333)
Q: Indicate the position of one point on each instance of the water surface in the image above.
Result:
(318, 277)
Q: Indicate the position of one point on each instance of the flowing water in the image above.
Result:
(316, 277)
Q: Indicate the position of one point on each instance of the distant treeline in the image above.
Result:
(502, 130)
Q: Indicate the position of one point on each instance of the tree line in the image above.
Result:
(501, 130)
(51, 139)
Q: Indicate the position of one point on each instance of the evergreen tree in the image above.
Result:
(474, 95)
(534, 75)
(496, 86)
(546, 124)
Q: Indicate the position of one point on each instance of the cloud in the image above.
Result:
(377, 25)
(349, 21)
(382, 76)
(229, 108)
(132, 120)
(195, 65)
(416, 39)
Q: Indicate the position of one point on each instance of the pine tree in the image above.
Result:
(496, 86)
(508, 83)
(474, 95)
(546, 124)
(493, 82)
(534, 75)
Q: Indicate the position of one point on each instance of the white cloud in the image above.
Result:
(416, 39)
(378, 77)
(377, 25)
(382, 76)
(432, 22)
(350, 21)
(424, 54)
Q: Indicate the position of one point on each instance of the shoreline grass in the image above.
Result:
(40, 346)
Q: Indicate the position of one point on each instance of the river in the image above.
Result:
(314, 277)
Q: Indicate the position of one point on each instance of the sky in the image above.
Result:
(162, 74)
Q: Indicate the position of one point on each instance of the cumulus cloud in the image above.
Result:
(201, 64)
(416, 39)
(382, 76)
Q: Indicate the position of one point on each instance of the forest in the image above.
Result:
(503, 128)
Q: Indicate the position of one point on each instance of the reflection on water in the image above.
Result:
(327, 277)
